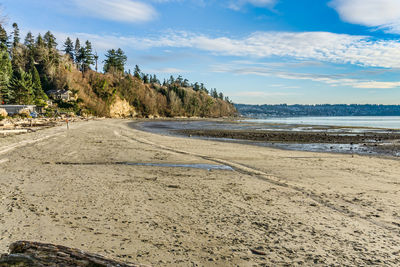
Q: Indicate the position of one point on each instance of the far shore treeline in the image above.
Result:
(283, 110)
(32, 67)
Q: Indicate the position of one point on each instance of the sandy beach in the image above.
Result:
(82, 188)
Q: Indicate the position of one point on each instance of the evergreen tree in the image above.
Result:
(76, 52)
(110, 62)
(214, 93)
(69, 48)
(39, 94)
(137, 72)
(17, 39)
(5, 76)
(51, 45)
(39, 41)
(179, 80)
(115, 61)
(96, 59)
(196, 87)
(171, 80)
(153, 79)
(21, 88)
(87, 56)
(145, 78)
(29, 41)
(121, 60)
(80, 57)
(50, 40)
(4, 40)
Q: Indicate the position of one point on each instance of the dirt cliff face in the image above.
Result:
(121, 109)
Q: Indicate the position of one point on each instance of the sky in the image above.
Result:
(254, 51)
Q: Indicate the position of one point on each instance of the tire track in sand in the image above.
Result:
(6, 149)
(60, 130)
(251, 171)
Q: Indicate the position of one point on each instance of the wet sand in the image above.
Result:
(350, 140)
(276, 207)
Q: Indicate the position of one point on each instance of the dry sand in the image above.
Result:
(276, 208)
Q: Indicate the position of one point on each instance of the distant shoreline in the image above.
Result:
(325, 110)
(367, 141)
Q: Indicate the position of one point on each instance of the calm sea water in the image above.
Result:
(388, 122)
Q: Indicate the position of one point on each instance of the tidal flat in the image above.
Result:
(314, 138)
(276, 207)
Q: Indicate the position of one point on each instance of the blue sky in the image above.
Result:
(255, 51)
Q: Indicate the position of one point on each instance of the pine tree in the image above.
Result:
(39, 95)
(39, 41)
(214, 93)
(196, 87)
(87, 56)
(29, 41)
(171, 80)
(51, 45)
(137, 72)
(145, 78)
(80, 57)
(5, 76)
(115, 61)
(50, 40)
(17, 39)
(179, 80)
(96, 59)
(76, 52)
(69, 48)
(4, 40)
(121, 60)
(110, 61)
(21, 88)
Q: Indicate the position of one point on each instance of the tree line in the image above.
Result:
(284, 110)
(32, 67)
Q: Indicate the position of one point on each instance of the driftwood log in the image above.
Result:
(33, 254)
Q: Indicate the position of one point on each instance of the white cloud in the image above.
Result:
(117, 10)
(383, 14)
(316, 46)
(329, 79)
(305, 46)
(238, 4)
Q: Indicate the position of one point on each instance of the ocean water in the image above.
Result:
(330, 125)
(387, 122)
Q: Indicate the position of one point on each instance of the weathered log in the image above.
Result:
(33, 254)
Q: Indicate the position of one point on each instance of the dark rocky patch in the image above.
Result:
(295, 137)
(33, 254)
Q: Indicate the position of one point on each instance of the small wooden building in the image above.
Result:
(64, 95)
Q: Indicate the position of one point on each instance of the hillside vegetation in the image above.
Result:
(29, 70)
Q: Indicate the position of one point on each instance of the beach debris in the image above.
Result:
(33, 254)
(3, 113)
(257, 252)
(173, 186)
